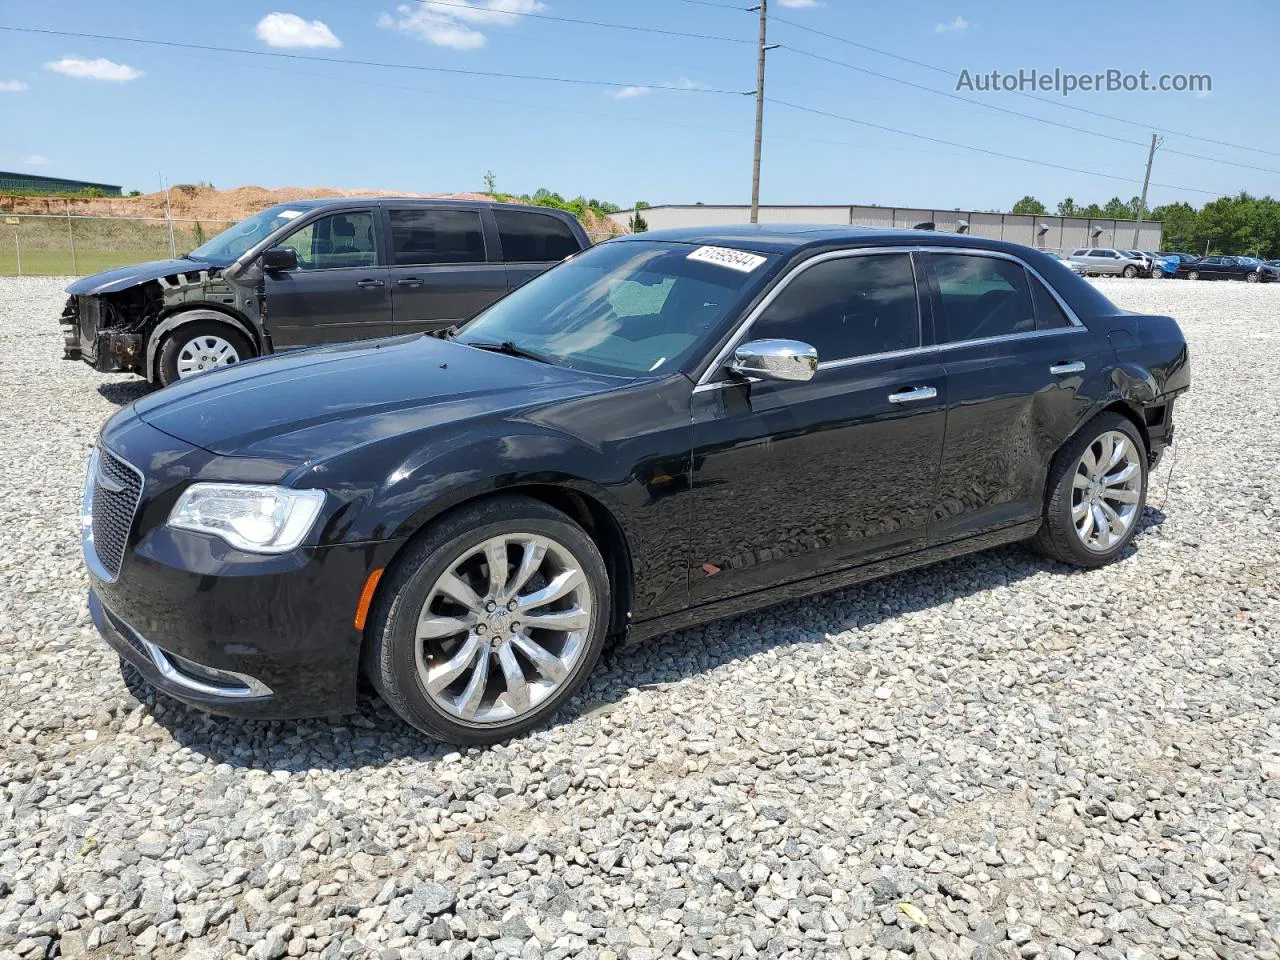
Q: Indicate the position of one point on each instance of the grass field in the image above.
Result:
(45, 245)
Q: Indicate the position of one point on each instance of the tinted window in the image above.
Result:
(1049, 313)
(340, 240)
(850, 307)
(1077, 253)
(983, 297)
(422, 235)
(534, 237)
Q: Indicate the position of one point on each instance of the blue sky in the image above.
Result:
(122, 113)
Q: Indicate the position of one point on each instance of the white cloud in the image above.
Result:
(626, 93)
(453, 24)
(12, 86)
(290, 30)
(99, 69)
(35, 160)
(958, 25)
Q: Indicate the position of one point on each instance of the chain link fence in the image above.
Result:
(73, 245)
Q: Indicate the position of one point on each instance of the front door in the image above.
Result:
(793, 479)
(339, 291)
(1016, 364)
(440, 272)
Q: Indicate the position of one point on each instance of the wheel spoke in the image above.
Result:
(1090, 460)
(495, 555)
(513, 673)
(469, 700)
(457, 590)
(1123, 475)
(575, 619)
(438, 678)
(547, 663)
(1080, 481)
(530, 561)
(1102, 526)
(1114, 521)
(434, 627)
(1078, 512)
(561, 585)
(1119, 450)
(1122, 496)
(1085, 526)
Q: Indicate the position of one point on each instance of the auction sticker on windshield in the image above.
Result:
(738, 260)
(289, 214)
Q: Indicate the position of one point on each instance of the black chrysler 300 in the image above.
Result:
(663, 430)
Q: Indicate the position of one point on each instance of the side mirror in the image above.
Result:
(278, 259)
(775, 360)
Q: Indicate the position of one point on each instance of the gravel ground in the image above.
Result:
(994, 757)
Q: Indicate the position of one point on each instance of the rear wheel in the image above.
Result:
(1252, 276)
(490, 623)
(1193, 275)
(1097, 492)
(198, 346)
(1130, 271)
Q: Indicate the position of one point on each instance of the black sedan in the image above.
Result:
(663, 430)
(1249, 269)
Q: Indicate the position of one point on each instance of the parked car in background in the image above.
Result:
(1069, 264)
(1098, 261)
(1249, 269)
(1149, 266)
(312, 272)
(1161, 266)
(1173, 259)
(667, 429)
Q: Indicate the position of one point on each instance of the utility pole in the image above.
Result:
(168, 217)
(764, 48)
(1146, 181)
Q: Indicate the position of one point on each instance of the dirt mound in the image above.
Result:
(190, 202)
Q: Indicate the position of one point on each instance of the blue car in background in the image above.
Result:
(1169, 262)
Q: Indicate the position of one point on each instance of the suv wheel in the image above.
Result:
(1097, 492)
(1131, 271)
(490, 623)
(199, 346)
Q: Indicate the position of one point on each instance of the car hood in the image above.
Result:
(311, 404)
(121, 278)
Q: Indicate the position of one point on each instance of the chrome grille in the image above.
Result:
(114, 488)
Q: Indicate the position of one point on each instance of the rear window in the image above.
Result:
(534, 237)
(423, 236)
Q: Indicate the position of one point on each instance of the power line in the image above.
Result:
(993, 153)
(590, 23)
(1022, 93)
(365, 63)
(1013, 113)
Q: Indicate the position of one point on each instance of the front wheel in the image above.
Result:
(490, 623)
(1096, 494)
(1252, 276)
(199, 346)
(1130, 271)
(1193, 275)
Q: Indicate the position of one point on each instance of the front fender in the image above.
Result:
(182, 317)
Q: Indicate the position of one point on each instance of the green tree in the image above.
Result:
(490, 182)
(1117, 209)
(1067, 208)
(1031, 205)
(638, 223)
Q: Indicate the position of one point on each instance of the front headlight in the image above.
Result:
(259, 519)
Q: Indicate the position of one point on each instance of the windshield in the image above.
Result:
(631, 308)
(232, 242)
(1250, 261)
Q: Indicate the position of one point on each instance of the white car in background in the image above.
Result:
(1078, 268)
(1108, 260)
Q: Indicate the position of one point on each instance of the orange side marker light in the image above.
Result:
(366, 598)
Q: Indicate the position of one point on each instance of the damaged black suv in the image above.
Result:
(312, 272)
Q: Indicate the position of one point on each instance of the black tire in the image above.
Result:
(1057, 537)
(175, 340)
(1130, 271)
(389, 656)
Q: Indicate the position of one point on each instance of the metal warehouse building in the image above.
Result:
(30, 183)
(1045, 233)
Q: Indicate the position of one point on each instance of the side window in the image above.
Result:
(534, 237)
(426, 235)
(1079, 253)
(1049, 313)
(983, 297)
(848, 307)
(339, 240)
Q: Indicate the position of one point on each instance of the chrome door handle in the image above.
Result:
(911, 396)
(369, 283)
(409, 282)
(1060, 369)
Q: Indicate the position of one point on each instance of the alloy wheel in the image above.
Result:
(502, 628)
(1106, 491)
(205, 352)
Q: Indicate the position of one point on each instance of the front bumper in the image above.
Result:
(107, 351)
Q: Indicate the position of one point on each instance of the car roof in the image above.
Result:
(364, 201)
(791, 238)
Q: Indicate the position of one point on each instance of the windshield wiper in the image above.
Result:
(511, 349)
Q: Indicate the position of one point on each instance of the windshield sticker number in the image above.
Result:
(738, 260)
(289, 214)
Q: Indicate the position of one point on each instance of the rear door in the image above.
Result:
(532, 242)
(1015, 361)
(440, 269)
(339, 291)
